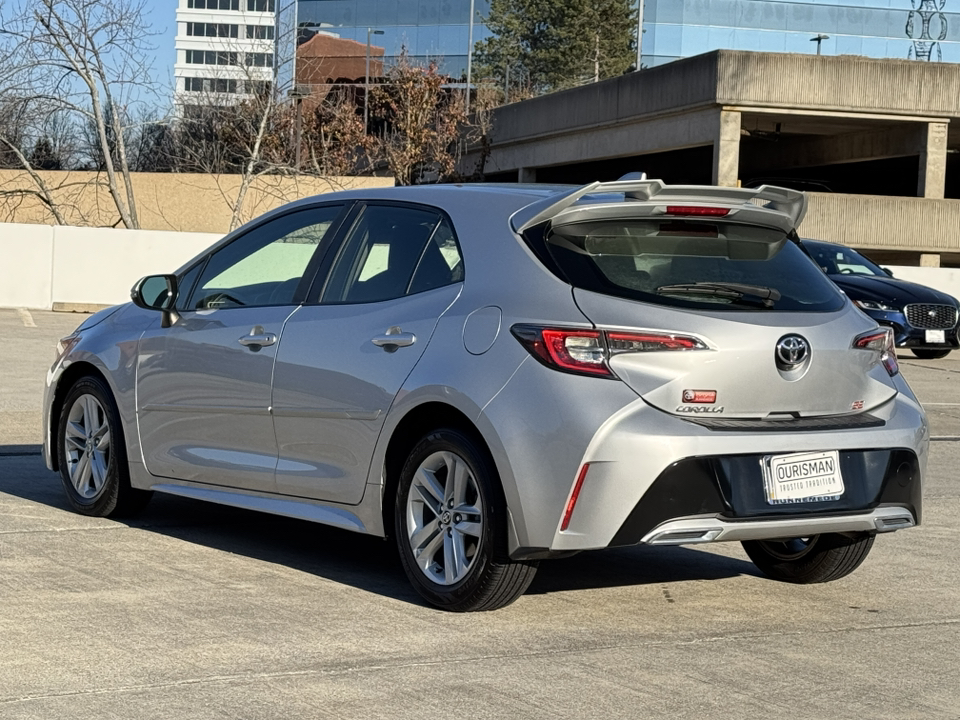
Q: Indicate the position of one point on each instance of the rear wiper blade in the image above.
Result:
(758, 294)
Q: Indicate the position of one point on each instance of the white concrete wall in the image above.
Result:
(26, 266)
(42, 265)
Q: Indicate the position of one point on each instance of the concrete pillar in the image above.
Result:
(527, 175)
(726, 149)
(933, 161)
(930, 259)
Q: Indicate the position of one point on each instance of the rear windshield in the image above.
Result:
(692, 264)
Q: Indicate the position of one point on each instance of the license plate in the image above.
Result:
(802, 477)
(936, 336)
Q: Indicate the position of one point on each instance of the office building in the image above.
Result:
(427, 29)
(907, 29)
(225, 49)
(226, 46)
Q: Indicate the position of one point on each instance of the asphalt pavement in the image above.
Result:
(198, 611)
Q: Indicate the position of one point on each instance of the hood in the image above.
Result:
(889, 290)
(98, 317)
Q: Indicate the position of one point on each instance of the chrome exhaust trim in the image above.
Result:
(689, 531)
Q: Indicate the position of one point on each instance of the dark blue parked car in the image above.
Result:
(924, 320)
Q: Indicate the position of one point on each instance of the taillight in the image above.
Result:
(576, 350)
(697, 210)
(587, 352)
(880, 341)
(618, 342)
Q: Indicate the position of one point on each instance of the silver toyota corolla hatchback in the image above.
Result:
(494, 375)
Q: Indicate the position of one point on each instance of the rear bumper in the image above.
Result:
(712, 499)
(652, 472)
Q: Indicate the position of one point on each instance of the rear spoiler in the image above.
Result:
(790, 204)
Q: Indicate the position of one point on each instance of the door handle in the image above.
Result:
(257, 338)
(394, 338)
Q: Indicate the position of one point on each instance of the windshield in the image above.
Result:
(840, 260)
(692, 264)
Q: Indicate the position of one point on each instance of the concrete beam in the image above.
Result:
(879, 222)
(843, 82)
(726, 149)
(785, 153)
(933, 161)
(637, 136)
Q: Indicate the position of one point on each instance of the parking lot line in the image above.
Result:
(26, 318)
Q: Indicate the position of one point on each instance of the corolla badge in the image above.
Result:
(699, 409)
(792, 350)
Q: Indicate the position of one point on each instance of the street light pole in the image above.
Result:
(299, 131)
(639, 31)
(298, 93)
(366, 81)
(470, 57)
(820, 37)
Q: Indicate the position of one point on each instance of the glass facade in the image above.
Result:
(428, 29)
(909, 29)
(438, 29)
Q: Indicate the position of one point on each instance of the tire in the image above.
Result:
(817, 559)
(930, 354)
(436, 516)
(93, 455)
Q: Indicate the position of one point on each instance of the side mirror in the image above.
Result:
(888, 271)
(157, 292)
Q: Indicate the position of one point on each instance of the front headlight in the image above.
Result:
(65, 345)
(875, 305)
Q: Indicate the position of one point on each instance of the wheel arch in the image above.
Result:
(415, 423)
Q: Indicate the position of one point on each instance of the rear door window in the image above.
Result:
(393, 251)
(692, 264)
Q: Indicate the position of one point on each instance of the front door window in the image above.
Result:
(265, 266)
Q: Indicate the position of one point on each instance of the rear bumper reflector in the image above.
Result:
(572, 502)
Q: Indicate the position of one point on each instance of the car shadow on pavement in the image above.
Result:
(636, 565)
(362, 561)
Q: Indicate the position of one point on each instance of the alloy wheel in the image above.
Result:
(87, 445)
(444, 518)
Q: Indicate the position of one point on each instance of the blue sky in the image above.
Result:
(162, 19)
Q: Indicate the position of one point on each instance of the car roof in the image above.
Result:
(433, 194)
(453, 198)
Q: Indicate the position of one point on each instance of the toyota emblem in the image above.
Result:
(792, 350)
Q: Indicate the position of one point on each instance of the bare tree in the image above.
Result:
(229, 130)
(478, 128)
(17, 125)
(88, 59)
(334, 135)
(251, 127)
(421, 122)
(151, 144)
